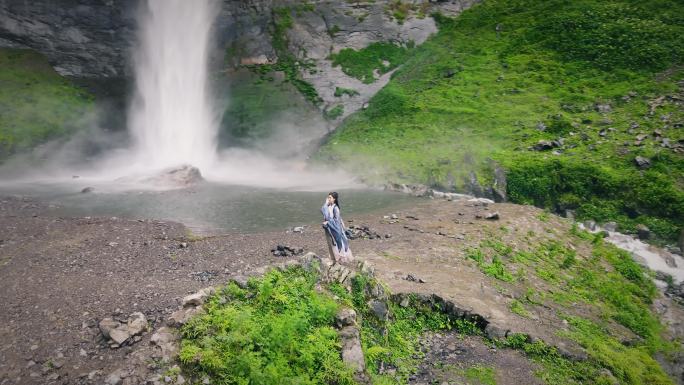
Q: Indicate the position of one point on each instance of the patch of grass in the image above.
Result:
(334, 112)
(495, 268)
(484, 375)
(381, 57)
(36, 104)
(340, 91)
(613, 288)
(518, 308)
(278, 330)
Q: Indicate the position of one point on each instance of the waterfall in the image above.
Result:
(172, 118)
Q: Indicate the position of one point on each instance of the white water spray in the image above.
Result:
(172, 117)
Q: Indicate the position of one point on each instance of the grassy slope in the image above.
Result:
(36, 104)
(279, 329)
(467, 95)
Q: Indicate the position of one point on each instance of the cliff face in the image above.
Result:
(93, 39)
(81, 38)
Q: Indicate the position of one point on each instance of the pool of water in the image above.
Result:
(208, 208)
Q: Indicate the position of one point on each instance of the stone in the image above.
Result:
(116, 377)
(337, 273)
(590, 225)
(610, 226)
(181, 316)
(87, 190)
(175, 177)
(345, 317)
(183, 245)
(642, 163)
(500, 184)
(352, 354)
(492, 216)
(137, 324)
(166, 340)
(495, 332)
(119, 335)
(107, 325)
(240, 280)
(680, 242)
(544, 145)
(379, 309)
(603, 108)
(643, 232)
(298, 229)
(93, 374)
(198, 298)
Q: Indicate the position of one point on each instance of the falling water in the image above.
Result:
(172, 118)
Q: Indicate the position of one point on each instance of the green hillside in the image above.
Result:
(36, 103)
(591, 75)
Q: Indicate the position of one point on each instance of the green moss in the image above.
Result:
(334, 112)
(361, 64)
(287, 62)
(36, 104)
(340, 91)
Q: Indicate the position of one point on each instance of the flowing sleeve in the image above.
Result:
(338, 218)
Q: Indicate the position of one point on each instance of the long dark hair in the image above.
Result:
(336, 197)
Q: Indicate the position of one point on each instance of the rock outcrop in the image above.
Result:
(93, 39)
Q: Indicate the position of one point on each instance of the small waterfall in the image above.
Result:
(172, 118)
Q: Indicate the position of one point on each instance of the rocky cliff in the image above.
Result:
(92, 39)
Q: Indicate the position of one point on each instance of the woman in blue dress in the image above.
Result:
(338, 244)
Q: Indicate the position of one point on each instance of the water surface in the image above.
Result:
(208, 207)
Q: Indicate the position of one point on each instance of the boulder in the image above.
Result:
(500, 184)
(181, 316)
(492, 216)
(345, 317)
(166, 340)
(352, 354)
(545, 145)
(198, 298)
(603, 108)
(610, 226)
(137, 324)
(642, 163)
(379, 309)
(643, 232)
(180, 176)
(495, 332)
(107, 325)
(119, 335)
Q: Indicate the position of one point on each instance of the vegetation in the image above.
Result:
(593, 293)
(277, 331)
(334, 112)
(287, 62)
(257, 104)
(280, 327)
(362, 64)
(36, 104)
(507, 74)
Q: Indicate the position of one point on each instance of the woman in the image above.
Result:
(338, 244)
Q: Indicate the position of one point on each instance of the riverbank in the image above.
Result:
(62, 276)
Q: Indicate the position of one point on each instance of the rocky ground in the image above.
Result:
(60, 277)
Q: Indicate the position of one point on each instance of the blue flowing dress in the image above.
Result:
(335, 230)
